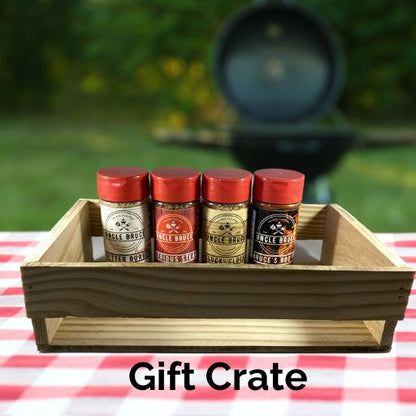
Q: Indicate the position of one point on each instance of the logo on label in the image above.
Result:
(174, 233)
(275, 231)
(226, 234)
(124, 231)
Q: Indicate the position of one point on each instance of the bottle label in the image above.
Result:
(176, 235)
(224, 235)
(126, 233)
(274, 236)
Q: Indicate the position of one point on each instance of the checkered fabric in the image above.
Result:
(98, 384)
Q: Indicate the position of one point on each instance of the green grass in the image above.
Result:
(379, 188)
(46, 163)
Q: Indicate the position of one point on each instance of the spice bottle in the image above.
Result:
(123, 193)
(277, 195)
(226, 194)
(176, 195)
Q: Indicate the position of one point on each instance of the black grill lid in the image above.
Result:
(276, 63)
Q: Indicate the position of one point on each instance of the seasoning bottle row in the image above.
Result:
(124, 199)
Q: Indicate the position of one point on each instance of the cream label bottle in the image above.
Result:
(226, 195)
(124, 203)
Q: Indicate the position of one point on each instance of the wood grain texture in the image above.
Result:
(69, 240)
(348, 243)
(52, 325)
(45, 329)
(253, 349)
(95, 217)
(312, 219)
(388, 333)
(382, 331)
(376, 329)
(211, 335)
(214, 292)
(41, 331)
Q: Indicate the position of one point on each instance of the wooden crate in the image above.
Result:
(348, 299)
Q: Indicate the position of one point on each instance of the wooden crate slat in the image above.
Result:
(211, 333)
(59, 292)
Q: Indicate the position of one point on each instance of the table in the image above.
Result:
(98, 384)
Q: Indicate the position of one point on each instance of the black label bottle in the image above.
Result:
(277, 195)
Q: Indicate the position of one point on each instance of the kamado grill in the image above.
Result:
(281, 68)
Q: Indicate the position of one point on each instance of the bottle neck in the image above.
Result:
(276, 207)
(176, 205)
(117, 204)
(225, 206)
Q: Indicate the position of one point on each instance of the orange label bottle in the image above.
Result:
(176, 214)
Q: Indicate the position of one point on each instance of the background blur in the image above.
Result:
(83, 84)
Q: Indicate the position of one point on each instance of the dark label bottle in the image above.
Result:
(274, 235)
(277, 197)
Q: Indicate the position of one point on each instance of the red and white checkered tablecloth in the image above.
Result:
(98, 384)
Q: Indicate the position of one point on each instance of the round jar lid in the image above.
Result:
(226, 186)
(175, 184)
(123, 183)
(278, 186)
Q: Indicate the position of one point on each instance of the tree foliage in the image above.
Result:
(378, 37)
(35, 35)
(159, 51)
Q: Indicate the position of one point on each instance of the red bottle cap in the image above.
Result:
(123, 184)
(278, 186)
(175, 185)
(226, 186)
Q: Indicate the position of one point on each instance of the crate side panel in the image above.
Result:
(348, 243)
(69, 240)
(388, 333)
(45, 329)
(208, 293)
(312, 220)
(95, 218)
(52, 325)
(382, 331)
